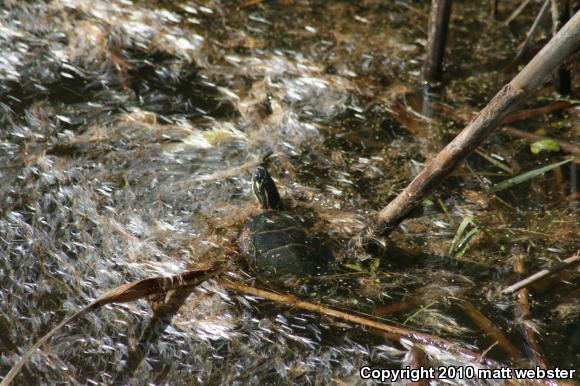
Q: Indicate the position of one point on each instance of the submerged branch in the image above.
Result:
(491, 329)
(538, 111)
(389, 331)
(569, 262)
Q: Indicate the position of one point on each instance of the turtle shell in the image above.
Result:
(277, 246)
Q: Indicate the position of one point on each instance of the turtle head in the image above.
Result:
(265, 190)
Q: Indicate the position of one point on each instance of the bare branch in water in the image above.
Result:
(391, 332)
(569, 262)
(490, 329)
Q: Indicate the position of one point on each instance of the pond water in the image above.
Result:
(128, 133)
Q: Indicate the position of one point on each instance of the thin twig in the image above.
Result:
(531, 113)
(486, 351)
(569, 262)
(23, 359)
(249, 3)
(529, 334)
(532, 30)
(516, 12)
(415, 10)
(479, 151)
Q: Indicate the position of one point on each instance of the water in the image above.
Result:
(128, 134)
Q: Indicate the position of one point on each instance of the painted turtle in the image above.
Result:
(275, 242)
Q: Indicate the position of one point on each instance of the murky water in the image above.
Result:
(129, 132)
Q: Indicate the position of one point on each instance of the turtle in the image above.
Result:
(276, 243)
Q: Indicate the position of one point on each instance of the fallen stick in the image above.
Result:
(394, 333)
(569, 262)
(506, 100)
(391, 332)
